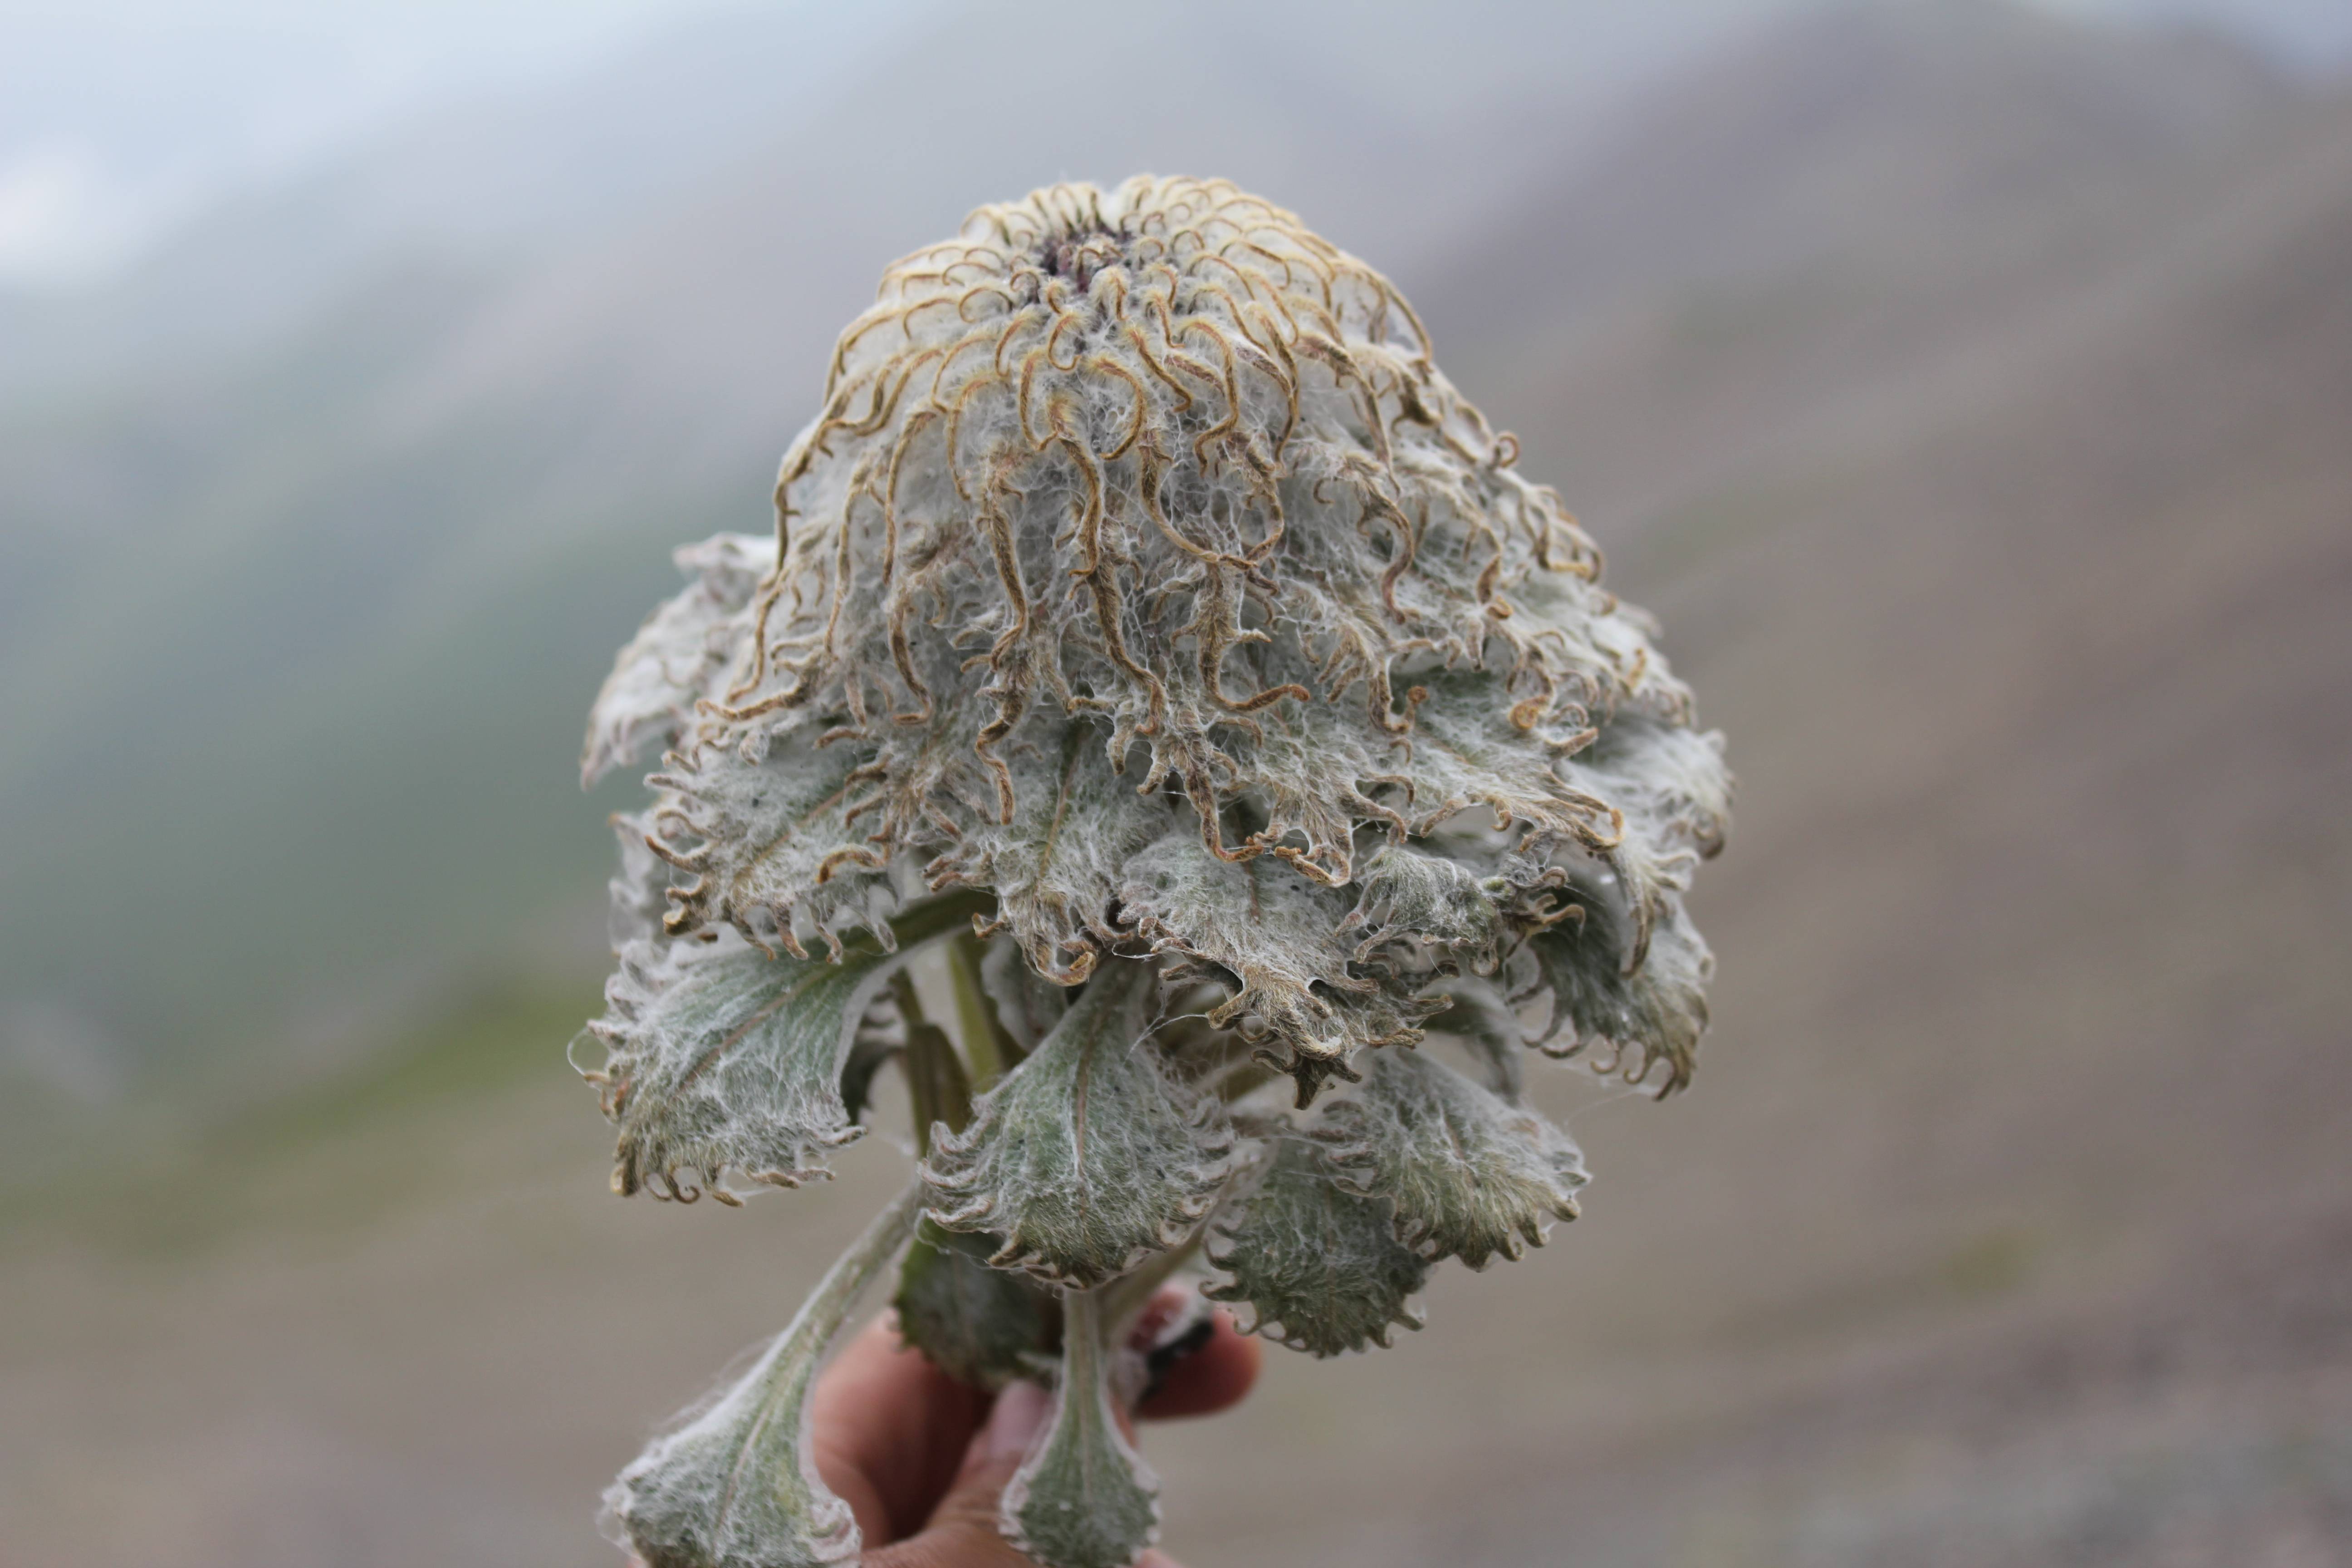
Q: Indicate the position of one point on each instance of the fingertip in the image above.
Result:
(963, 1531)
(1019, 1412)
(889, 1429)
(1214, 1378)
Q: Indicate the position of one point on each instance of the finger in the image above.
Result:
(1194, 1361)
(902, 1442)
(963, 1532)
(889, 1430)
(1214, 1375)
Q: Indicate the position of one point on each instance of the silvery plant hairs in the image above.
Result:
(1155, 646)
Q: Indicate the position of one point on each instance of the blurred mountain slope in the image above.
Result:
(1998, 514)
(1852, 199)
(354, 582)
(2032, 1018)
(494, 179)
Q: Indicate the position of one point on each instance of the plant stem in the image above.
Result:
(1243, 1079)
(1125, 1296)
(829, 1305)
(937, 1086)
(989, 1045)
(921, 922)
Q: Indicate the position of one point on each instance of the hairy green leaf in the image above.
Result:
(1283, 936)
(734, 1486)
(1470, 751)
(767, 833)
(1425, 903)
(1089, 1154)
(1471, 1174)
(724, 1059)
(1055, 859)
(1318, 1262)
(680, 655)
(1630, 1022)
(720, 1058)
(982, 1326)
(1084, 1498)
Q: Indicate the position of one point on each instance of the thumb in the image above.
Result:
(963, 1531)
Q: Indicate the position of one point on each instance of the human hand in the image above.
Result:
(920, 1458)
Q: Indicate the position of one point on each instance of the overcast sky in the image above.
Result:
(118, 117)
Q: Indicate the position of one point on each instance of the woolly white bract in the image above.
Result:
(1144, 593)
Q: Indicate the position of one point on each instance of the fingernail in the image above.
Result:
(1167, 1304)
(1020, 1415)
(1162, 1359)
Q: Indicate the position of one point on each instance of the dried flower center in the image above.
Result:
(1078, 257)
(1142, 519)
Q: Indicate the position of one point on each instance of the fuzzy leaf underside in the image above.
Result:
(1469, 751)
(1284, 938)
(1472, 1176)
(1675, 794)
(734, 1486)
(1628, 1024)
(1484, 1023)
(639, 894)
(1089, 1155)
(1084, 1498)
(1427, 904)
(1668, 779)
(1028, 1004)
(767, 834)
(979, 1325)
(680, 655)
(1319, 1263)
(1079, 558)
(1055, 863)
(728, 1059)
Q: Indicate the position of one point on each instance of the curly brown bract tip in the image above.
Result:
(1148, 510)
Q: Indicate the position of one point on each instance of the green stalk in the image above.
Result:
(937, 1086)
(989, 1045)
(935, 917)
(979, 1325)
(685, 1499)
(1128, 1294)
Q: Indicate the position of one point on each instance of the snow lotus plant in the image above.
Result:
(1152, 634)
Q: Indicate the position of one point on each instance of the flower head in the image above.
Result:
(1144, 593)
(1143, 571)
